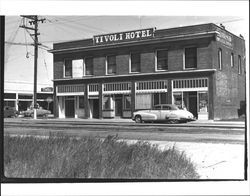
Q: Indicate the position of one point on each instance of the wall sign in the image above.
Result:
(124, 36)
(77, 68)
(47, 89)
(225, 39)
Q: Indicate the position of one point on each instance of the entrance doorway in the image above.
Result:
(70, 107)
(192, 97)
(187, 100)
(94, 108)
(118, 106)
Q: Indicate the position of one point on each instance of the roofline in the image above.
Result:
(229, 32)
(130, 43)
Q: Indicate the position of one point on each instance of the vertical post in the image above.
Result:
(55, 102)
(211, 97)
(133, 96)
(100, 99)
(17, 102)
(35, 67)
(86, 101)
(170, 92)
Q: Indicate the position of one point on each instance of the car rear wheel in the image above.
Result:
(173, 121)
(138, 119)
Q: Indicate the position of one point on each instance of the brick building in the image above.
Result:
(200, 67)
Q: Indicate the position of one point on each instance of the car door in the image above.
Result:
(165, 112)
(157, 112)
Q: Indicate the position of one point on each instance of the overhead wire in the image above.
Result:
(11, 39)
(85, 25)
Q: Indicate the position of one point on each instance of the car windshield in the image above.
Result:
(174, 107)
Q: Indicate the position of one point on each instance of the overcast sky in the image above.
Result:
(19, 58)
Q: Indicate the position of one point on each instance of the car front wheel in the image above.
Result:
(138, 119)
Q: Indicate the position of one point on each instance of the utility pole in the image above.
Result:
(33, 20)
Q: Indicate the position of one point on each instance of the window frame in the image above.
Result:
(185, 60)
(156, 60)
(130, 62)
(85, 67)
(107, 65)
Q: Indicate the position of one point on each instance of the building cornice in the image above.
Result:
(133, 43)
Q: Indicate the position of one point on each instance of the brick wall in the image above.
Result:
(229, 85)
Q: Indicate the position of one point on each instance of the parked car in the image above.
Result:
(10, 112)
(40, 112)
(163, 112)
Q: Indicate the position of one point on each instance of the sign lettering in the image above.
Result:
(225, 39)
(124, 36)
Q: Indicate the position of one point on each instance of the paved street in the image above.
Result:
(126, 129)
(217, 148)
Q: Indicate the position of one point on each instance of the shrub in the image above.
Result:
(59, 156)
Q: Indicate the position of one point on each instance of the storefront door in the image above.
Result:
(193, 103)
(70, 108)
(95, 108)
(118, 106)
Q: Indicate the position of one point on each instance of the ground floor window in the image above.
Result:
(107, 100)
(127, 102)
(178, 100)
(159, 98)
(203, 101)
(9, 103)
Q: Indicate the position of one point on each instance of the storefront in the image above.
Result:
(192, 95)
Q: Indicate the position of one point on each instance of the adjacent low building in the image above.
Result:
(19, 95)
(200, 68)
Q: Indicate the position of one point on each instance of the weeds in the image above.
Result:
(61, 156)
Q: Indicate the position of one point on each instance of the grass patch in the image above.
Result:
(59, 156)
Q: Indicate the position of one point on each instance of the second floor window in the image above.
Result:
(135, 62)
(111, 64)
(68, 68)
(88, 66)
(190, 58)
(220, 58)
(162, 60)
(232, 59)
(239, 65)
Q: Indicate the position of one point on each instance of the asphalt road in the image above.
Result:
(231, 133)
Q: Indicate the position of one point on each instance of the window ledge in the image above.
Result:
(136, 72)
(190, 68)
(161, 70)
